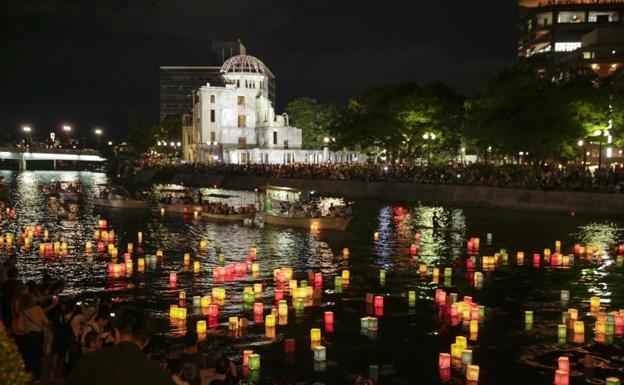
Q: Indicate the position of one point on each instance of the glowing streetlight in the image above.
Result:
(429, 137)
(98, 131)
(326, 140)
(27, 129)
(67, 128)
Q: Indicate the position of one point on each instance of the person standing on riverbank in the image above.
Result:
(124, 363)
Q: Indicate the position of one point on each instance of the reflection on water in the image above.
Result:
(380, 238)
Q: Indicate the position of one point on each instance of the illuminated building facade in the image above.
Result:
(235, 122)
(590, 32)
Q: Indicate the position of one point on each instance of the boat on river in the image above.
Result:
(285, 206)
(215, 209)
(64, 191)
(118, 198)
(176, 199)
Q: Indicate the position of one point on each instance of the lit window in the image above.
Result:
(544, 19)
(571, 17)
(567, 46)
(588, 55)
(603, 17)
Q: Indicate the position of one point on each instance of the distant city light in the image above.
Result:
(26, 129)
(67, 128)
(98, 131)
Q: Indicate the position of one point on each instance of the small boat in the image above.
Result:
(118, 198)
(64, 191)
(176, 199)
(285, 206)
(180, 208)
(213, 211)
(227, 217)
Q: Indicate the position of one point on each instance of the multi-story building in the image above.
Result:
(235, 122)
(177, 83)
(557, 27)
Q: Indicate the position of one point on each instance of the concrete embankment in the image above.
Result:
(472, 196)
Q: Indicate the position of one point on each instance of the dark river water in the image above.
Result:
(409, 338)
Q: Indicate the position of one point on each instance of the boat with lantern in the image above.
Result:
(175, 199)
(215, 208)
(285, 206)
(117, 197)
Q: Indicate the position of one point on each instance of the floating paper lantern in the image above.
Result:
(269, 321)
(140, 237)
(102, 223)
(282, 308)
(573, 313)
(203, 245)
(345, 252)
(561, 331)
(338, 281)
(379, 301)
(320, 353)
(413, 249)
(422, 268)
(329, 317)
(579, 327)
(564, 364)
(346, 275)
(196, 301)
(315, 334)
(254, 361)
(561, 377)
(173, 311)
(299, 304)
(376, 236)
(218, 293)
(461, 341)
(472, 373)
(448, 272)
(474, 326)
(612, 381)
(411, 296)
(528, 316)
(196, 267)
(182, 295)
(201, 327)
(213, 311)
(181, 313)
(173, 278)
(565, 295)
(233, 323)
(206, 301)
(456, 350)
(594, 302)
(444, 360)
(466, 357)
(258, 308)
(382, 275)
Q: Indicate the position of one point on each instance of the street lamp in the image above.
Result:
(581, 143)
(26, 129)
(601, 134)
(429, 137)
(98, 133)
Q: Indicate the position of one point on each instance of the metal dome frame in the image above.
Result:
(244, 64)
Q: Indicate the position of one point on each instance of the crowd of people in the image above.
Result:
(64, 341)
(541, 177)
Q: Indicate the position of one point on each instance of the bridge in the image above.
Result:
(23, 155)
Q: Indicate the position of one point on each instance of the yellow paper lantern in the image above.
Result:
(201, 327)
(472, 373)
(315, 334)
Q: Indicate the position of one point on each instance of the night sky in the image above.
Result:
(89, 62)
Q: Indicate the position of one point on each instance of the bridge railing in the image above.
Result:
(50, 150)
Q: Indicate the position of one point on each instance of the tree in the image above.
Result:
(313, 118)
(140, 133)
(525, 110)
(170, 128)
(394, 118)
